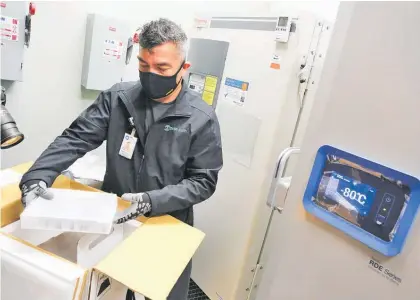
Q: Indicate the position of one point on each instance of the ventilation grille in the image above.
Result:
(195, 293)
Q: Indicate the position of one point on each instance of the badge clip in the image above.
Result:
(129, 142)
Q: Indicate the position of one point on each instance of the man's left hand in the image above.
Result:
(140, 205)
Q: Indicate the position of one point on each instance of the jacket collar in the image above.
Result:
(181, 107)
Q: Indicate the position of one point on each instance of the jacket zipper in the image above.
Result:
(142, 160)
(145, 142)
(139, 172)
(180, 115)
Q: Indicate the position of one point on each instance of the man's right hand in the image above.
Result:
(34, 189)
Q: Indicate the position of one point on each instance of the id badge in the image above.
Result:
(127, 146)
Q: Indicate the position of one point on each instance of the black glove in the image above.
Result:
(140, 206)
(34, 189)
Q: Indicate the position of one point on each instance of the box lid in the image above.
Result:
(149, 261)
(152, 258)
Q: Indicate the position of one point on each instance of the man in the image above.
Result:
(163, 142)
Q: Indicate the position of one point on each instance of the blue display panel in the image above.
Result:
(370, 202)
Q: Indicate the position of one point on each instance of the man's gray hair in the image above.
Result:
(161, 31)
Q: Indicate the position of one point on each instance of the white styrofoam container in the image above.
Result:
(91, 249)
(48, 278)
(72, 211)
(27, 273)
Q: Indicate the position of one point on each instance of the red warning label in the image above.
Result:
(112, 49)
(9, 28)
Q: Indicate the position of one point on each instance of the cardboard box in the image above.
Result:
(149, 261)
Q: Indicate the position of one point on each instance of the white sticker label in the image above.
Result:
(201, 23)
(276, 58)
(9, 28)
(236, 90)
(112, 49)
(197, 83)
(127, 146)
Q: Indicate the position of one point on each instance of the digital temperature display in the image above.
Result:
(349, 193)
(371, 203)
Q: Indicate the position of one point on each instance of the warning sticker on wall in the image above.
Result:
(236, 90)
(210, 84)
(275, 62)
(112, 49)
(201, 23)
(208, 97)
(9, 28)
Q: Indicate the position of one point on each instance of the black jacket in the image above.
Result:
(177, 165)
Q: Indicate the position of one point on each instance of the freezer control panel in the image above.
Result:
(283, 27)
(370, 202)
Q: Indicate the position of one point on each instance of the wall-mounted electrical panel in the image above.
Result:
(207, 59)
(105, 52)
(13, 15)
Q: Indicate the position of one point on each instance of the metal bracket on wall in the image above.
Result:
(305, 73)
(254, 284)
(320, 53)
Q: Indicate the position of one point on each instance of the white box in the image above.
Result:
(8, 176)
(48, 278)
(148, 261)
(72, 211)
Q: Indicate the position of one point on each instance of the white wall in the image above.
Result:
(50, 96)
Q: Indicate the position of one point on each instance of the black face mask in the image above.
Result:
(157, 86)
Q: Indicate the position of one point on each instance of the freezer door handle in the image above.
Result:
(278, 176)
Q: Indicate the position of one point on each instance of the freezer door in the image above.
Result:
(366, 104)
(256, 101)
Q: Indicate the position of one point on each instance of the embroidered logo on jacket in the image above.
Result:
(170, 128)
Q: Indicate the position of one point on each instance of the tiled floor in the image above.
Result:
(195, 293)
